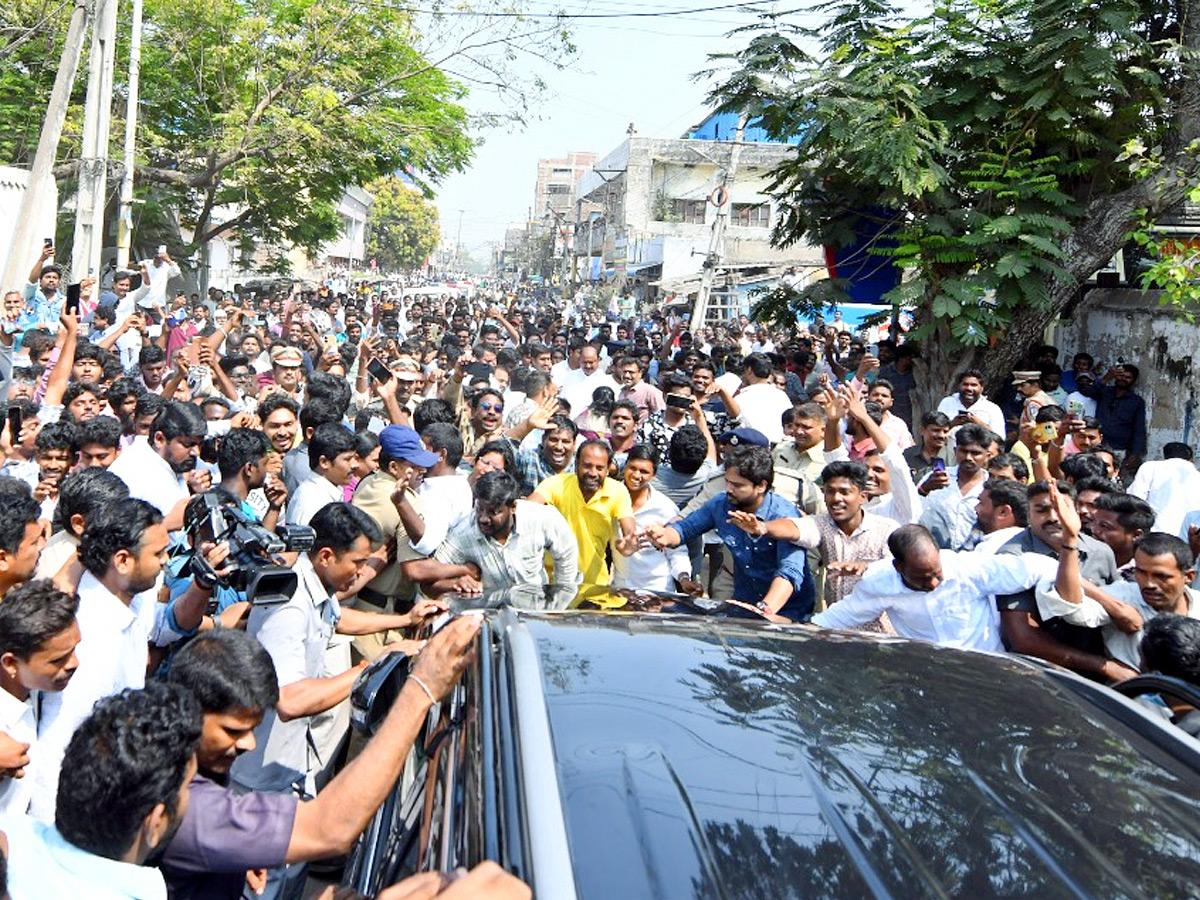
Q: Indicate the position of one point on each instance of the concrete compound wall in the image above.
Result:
(1131, 325)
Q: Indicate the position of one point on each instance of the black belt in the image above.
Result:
(374, 597)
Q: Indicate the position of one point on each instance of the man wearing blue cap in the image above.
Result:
(403, 459)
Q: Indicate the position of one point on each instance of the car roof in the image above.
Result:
(713, 759)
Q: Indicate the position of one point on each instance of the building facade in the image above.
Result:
(645, 215)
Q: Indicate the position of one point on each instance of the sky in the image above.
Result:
(627, 69)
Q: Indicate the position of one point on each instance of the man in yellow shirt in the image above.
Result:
(591, 502)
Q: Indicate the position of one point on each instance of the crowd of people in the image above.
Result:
(166, 720)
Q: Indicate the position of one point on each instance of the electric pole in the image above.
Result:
(458, 239)
(125, 218)
(716, 243)
(40, 189)
(93, 162)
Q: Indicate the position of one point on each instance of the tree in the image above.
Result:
(402, 227)
(992, 141)
(255, 115)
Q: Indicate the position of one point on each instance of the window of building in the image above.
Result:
(558, 189)
(751, 215)
(690, 212)
(561, 172)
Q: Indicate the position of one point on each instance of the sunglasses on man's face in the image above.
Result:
(491, 407)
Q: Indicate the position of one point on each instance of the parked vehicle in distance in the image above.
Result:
(613, 756)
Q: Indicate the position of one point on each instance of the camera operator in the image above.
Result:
(225, 833)
(296, 634)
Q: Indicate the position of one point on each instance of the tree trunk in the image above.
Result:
(1103, 231)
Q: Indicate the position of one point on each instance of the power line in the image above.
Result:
(661, 14)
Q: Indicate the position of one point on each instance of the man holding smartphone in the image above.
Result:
(158, 272)
(43, 299)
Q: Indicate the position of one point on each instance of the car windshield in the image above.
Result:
(697, 762)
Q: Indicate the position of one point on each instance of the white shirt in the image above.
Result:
(149, 476)
(448, 504)
(997, 539)
(1086, 404)
(1121, 645)
(1171, 487)
(731, 381)
(113, 654)
(18, 719)
(895, 428)
(296, 635)
(959, 612)
(159, 274)
(563, 375)
(983, 409)
(42, 864)
(652, 569)
(312, 494)
(579, 392)
(902, 504)
(763, 406)
(959, 507)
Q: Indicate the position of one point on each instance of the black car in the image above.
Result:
(644, 754)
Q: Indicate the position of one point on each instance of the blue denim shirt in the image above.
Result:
(757, 561)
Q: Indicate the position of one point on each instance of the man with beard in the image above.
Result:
(1021, 625)
(970, 407)
(232, 676)
(122, 399)
(161, 468)
(287, 367)
(953, 493)
(645, 397)
(1163, 567)
(591, 502)
(505, 545)
(123, 549)
(848, 537)
(769, 574)
(280, 417)
(131, 762)
(38, 637)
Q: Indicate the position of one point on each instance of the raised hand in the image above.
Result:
(1068, 515)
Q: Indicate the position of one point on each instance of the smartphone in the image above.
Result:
(679, 401)
(14, 424)
(379, 371)
(74, 291)
(47, 242)
(1045, 432)
(162, 249)
(938, 465)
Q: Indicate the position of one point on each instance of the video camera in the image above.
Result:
(251, 567)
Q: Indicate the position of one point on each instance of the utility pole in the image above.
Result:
(458, 239)
(125, 218)
(39, 190)
(93, 162)
(716, 243)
